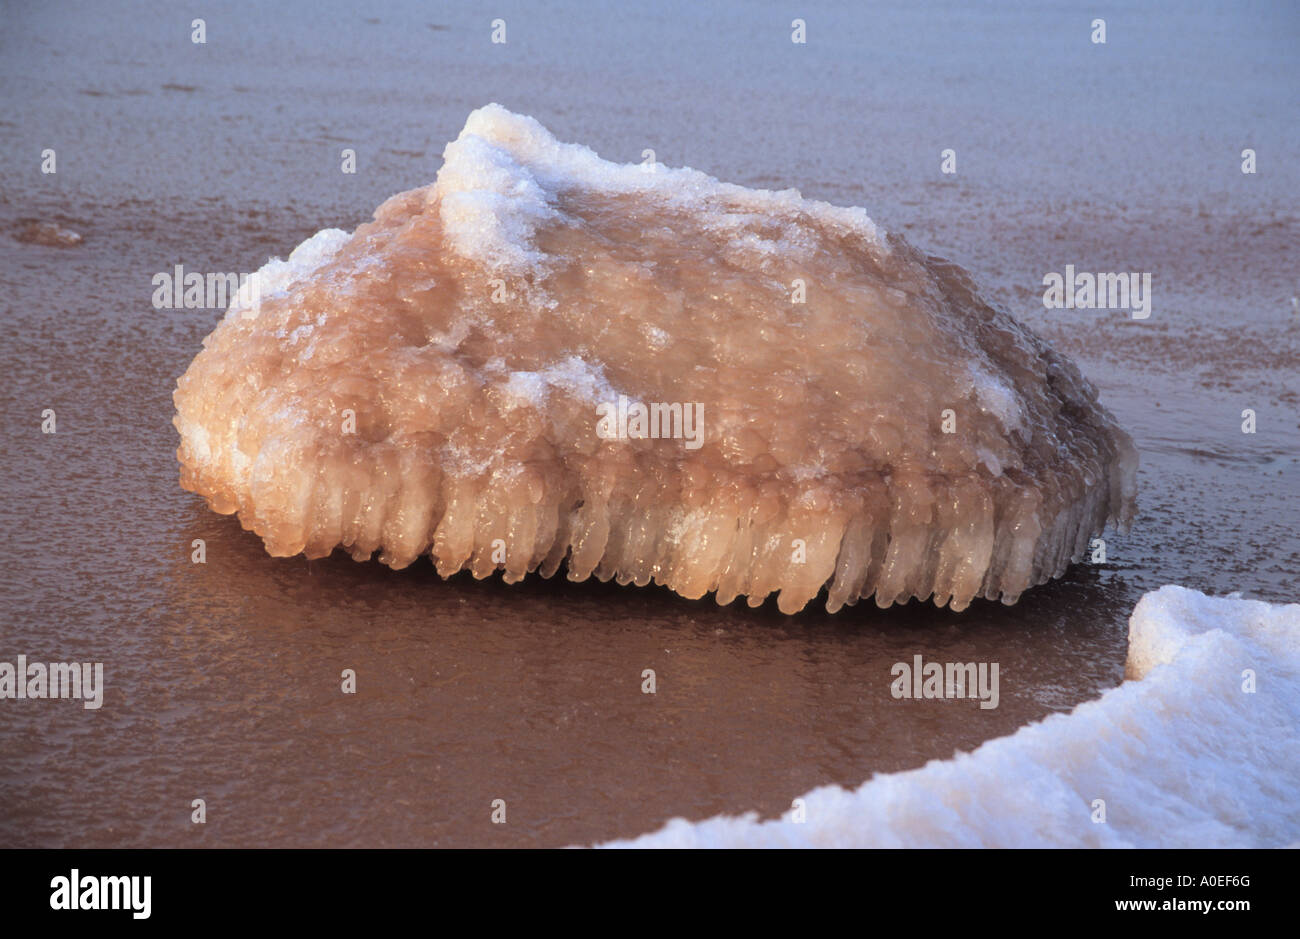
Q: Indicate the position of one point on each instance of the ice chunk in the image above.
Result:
(51, 234)
(1183, 756)
(277, 276)
(795, 400)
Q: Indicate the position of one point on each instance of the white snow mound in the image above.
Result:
(1183, 755)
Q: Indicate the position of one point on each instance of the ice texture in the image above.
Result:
(1182, 755)
(469, 333)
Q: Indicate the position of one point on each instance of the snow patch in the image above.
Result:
(1182, 755)
(502, 177)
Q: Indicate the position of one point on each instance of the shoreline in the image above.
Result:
(222, 679)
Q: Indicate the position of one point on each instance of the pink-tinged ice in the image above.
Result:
(430, 384)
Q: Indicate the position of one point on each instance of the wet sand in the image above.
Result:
(223, 678)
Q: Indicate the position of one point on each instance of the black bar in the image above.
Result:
(649, 889)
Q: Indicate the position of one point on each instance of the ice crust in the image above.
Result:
(473, 327)
(1181, 755)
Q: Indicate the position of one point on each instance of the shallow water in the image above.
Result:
(223, 679)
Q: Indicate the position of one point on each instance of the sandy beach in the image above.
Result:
(222, 678)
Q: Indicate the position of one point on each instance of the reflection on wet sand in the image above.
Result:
(471, 691)
(222, 681)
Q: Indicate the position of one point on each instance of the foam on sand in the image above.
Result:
(864, 423)
(1182, 756)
